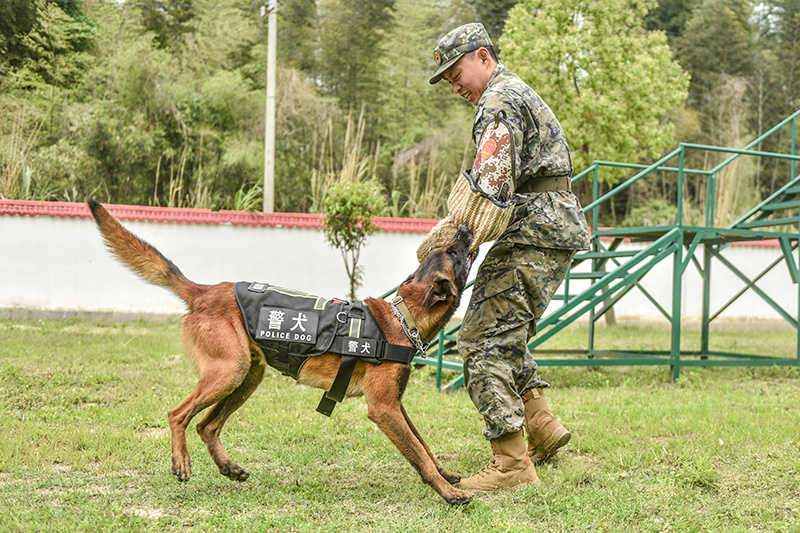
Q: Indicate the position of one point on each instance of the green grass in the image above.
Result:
(84, 445)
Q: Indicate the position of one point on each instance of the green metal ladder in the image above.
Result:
(613, 272)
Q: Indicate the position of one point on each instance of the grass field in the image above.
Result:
(84, 445)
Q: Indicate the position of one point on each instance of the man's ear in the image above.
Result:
(437, 292)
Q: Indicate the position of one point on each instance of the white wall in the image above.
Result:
(59, 266)
(53, 266)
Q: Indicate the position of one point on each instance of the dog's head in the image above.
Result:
(438, 282)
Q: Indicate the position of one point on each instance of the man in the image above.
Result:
(525, 265)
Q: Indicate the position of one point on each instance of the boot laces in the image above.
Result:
(491, 466)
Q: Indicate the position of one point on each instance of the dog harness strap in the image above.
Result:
(326, 405)
(399, 353)
(374, 350)
(339, 387)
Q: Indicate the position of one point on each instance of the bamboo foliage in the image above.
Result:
(162, 102)
(15, 172)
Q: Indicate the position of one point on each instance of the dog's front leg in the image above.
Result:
(386, 411)
(451, 477)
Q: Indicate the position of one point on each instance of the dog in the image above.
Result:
(231, 365)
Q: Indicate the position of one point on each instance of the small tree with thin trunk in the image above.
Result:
(349, 208)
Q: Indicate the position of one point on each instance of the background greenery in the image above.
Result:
(84, 444)
(160, 102)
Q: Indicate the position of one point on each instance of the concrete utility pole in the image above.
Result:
(269, 119)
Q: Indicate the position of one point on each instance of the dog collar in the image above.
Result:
(400, 310)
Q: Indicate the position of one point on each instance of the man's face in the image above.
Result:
(469, 75)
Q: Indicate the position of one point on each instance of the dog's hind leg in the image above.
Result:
(451, 477)
(208, 391)
(223, 362)
(211, 426)
(383, 397)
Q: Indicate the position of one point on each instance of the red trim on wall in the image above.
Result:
(235, 218)
(199, 216)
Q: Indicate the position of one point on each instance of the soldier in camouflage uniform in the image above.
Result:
(523, 268)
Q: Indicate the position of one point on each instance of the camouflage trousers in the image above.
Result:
(513, 287)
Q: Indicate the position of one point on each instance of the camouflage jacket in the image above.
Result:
(550, 219)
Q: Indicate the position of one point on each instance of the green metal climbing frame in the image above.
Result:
(613, 272)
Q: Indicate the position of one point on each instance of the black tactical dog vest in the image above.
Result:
(290, 326)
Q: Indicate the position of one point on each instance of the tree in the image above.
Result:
(350, 33)
(788, 36)
(492, 15)
(422, 129)
(168, 19)
(51, 50)
(610, 82)
(717, 41)
(296, 21)
(776, 83)
(17, 18)
(349, 209)
(670, 17)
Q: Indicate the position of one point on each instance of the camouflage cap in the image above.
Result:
(455, 44)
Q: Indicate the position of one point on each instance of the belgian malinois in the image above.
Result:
(231, 365)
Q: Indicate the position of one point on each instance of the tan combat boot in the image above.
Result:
(545, 434)
(509, 467)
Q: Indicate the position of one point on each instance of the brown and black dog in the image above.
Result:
(231, 366)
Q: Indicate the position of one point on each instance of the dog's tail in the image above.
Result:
(141, 257)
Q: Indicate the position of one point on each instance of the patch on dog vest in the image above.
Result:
(291, 325)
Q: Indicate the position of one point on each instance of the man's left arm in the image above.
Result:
(494, 172)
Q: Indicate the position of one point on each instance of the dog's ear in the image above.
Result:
(438, 291)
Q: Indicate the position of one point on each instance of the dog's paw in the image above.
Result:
(181, 470)
(450, 477)
(235, 472)
(460, 497)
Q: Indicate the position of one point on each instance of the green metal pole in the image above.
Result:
(711, 194)
(593, 262)
(706, 299)
(794, 145)
(595, 194)
(681, 178)
(794, 152)
(677, 285)
(440, 356)
(677, 290)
